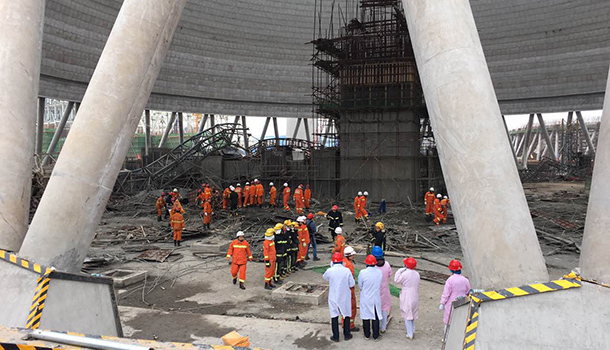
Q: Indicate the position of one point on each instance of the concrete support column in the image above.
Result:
(585, 132)
(265, 128)
(296, 129)
(202, 123)
(547, 138)
(87, 168)
(168, 129)
(20, 51)
(181, 127)
(306, 125)
(212, 123)
(500, 246)
(526, 145)
(245, 131)
(512, 149)
(147, 138)
(594, 256)
(58, 132)
(276, 130)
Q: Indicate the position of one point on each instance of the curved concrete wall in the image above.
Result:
(249, 57)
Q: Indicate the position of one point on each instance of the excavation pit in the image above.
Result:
(313, 294)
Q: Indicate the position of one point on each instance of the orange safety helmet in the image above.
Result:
(455, 265)
(337, 258)
(370, 260)
(410, 263)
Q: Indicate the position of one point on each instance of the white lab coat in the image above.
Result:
(340, 281)
(369, 282)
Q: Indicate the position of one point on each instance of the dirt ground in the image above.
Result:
(191, 298)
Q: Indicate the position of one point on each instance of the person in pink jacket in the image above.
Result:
(386, 297)
(455, 286)
(409, 294)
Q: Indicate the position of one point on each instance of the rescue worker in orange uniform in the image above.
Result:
(160, 206)
(272, 195)
(207, 214)
(339, 241)
(175, 194)
(357, 203)
(348, 262)
(200, 197)
(226, 194)
(307, 196)
(178, 207)
(253, 199)
(298, 199)
(429, 201)
(438, 210)
(247, 195)
(239, 192)
(303, 235)
(177, 223)
(269, 257)
(238, 255)
(207, 192)
(444, 207)
(286, 194)
(260, 193)
(363, 212)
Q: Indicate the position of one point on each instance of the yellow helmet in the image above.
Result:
(294, 224)
(270, 232)
(287, 222)
(278, 226)
(380, 225)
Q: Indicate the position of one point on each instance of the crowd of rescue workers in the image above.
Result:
(286, 248)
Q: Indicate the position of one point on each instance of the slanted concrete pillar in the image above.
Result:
(20, 51)
(88, 165)
(495, 227)
(595, 256)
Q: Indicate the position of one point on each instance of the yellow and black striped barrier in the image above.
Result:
(11, 346)
(476, 299)
(42, 286)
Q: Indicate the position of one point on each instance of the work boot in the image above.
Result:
(267, 286)
(348, 337)
(316, 259)
(241, 285)
(158, 218)
(279, 282)
(235, 280)
(272, 286)
(336, 340)
(174, 242)
(178, 243)
(307, 258)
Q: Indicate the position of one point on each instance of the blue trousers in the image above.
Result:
(312, 244)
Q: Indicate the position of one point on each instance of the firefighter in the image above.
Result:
(272, 195)
(350, 255)
(260, 193)
(233, 201)
(281, 244)
(445, 207)
(339, 241)
(177, 223)
(269, 256)
(307, 196)
(239, 192)
(247, 194)
(225, 198)
(207, 192)
(286, 194)
(377, 237)
(298, 199)
(207, 214)
(357, 203)
(335, 219)
(293, 243)
(238, 256)
(303, 235)
(429, 201)
(362, 207)
(160, 206)
(438, 210)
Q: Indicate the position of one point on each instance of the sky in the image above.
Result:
(520, 120)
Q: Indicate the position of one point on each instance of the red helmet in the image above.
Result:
(455, 265)
(337, 258)
(335, 207)
(310, 216)
(301, 186)
(410, 263)
(370, 260)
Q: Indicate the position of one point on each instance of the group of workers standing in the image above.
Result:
(285, 250)
(437, 206)
(253, 195)
(168, 205)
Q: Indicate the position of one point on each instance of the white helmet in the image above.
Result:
(360, 193)
(439, 196)
(255, 180)
(301, 219)
(349, 251)
(445, 197)
(366, 193)
(232, 188)
(271, 184)
(238, 185)
(338, 230)
(285, 184)
(239, 233)
(431, 189)
(247, 183)
(175, 190)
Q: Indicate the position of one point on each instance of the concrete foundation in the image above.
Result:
(500, 246)
(101, 134)
(571, 319)
(199, 247)
(124, 278)
(21, 24)
(313, 294)
(68, 296)
(594, 259)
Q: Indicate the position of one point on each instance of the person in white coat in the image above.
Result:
(408, 278)
(340, 281)
(369, 282)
